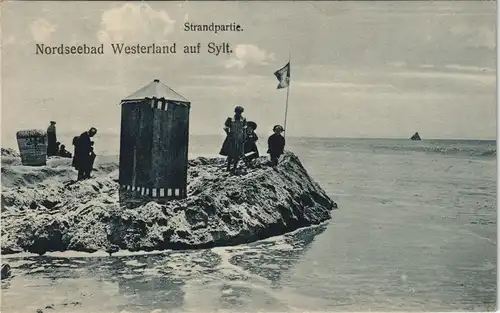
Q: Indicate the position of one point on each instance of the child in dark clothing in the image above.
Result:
(250, 148)
(276, 144)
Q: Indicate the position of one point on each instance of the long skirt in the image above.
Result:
(232, 147)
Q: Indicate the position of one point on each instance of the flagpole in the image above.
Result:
(287, 91)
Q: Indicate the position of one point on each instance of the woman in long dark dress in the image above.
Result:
(233, 146)
(52, 139)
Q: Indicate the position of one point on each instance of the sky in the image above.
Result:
(358, 69)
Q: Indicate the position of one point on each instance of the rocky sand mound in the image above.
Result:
(43, 209)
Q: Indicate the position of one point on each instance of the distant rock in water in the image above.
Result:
(43, 210)
(415, 136)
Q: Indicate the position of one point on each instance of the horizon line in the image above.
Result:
(318, 137)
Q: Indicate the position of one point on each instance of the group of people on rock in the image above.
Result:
(54, 147)
(241, 141)
(240, 144)
(84, 156)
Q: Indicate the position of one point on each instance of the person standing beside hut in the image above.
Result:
(83, 161)
(233, 146)
(51, 139)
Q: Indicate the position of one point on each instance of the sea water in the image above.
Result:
(415, 231)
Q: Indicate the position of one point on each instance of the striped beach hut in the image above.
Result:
(154, 142)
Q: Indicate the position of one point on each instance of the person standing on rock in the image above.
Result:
(83, 161)
(233, 146)
(51, 139)
(276, 144)
(251, 150)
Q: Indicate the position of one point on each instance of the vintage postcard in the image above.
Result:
(241, 156)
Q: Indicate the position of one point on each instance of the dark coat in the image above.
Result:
(51, 140)
(251, 144)
(276, 145)
(83, 151)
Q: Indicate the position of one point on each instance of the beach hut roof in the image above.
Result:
(158, 90)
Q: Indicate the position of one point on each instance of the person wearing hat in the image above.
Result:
(51, 139)
(233, 146)
(251, 150)
(84, 156)
(276, 144)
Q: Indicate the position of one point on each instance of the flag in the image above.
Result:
(283, 76)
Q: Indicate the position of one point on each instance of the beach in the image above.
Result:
(415, 231)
